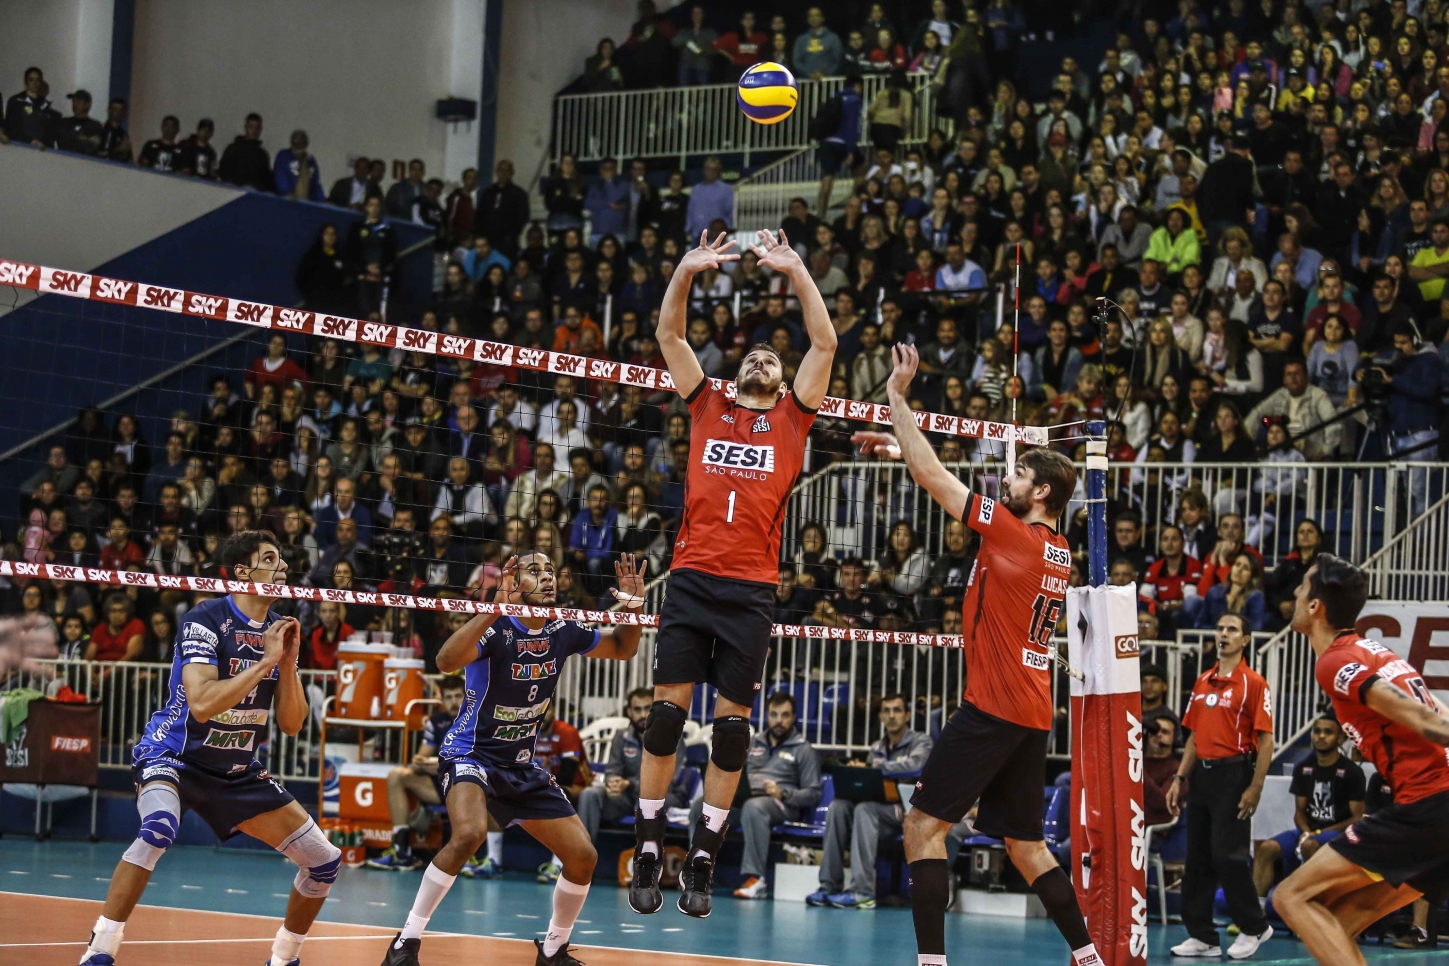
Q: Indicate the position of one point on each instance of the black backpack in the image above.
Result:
(826, 120)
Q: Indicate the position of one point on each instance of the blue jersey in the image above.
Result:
(216, 633)
(509, 687)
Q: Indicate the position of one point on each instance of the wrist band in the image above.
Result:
(628, 600)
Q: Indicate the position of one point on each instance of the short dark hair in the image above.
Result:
(451, 682)
(778, 698)
(1342, 587)
(1050, 468)
(242, 546)
(852, 562)
(639, 693)
(895, 696)
(254, 116)
(1243, 626)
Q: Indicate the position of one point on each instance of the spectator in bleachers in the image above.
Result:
(29, 117)
(1172, 578)
(607, 202)
(115, 139)
(57, 470)
(859, 827)
(404, 195)
(198, 157)
(163, 153)
(1240, 592)
(295, 172)
(851, 602)
(602, 73)
(793, 602)
(1159, 763)
(709, 200)
(122, 636)
(502, 211)
(1328, 791)
(1154, 693)
(352, 191)
(818, 51)
(80, 133)
(245, 162)
(695, 45)
(744, 46)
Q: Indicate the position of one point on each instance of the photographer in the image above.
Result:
(1409, 384)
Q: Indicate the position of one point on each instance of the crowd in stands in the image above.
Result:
(1268, 249)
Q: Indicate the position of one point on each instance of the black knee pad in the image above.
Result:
(731, 742)
(663, 728)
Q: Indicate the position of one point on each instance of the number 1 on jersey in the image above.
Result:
(730, 516)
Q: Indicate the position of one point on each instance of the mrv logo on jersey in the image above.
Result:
(230, 740)
(514, 732)
(739, 456)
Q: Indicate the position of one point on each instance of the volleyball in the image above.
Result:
(767, 93)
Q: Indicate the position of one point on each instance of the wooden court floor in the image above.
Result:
(32, 927)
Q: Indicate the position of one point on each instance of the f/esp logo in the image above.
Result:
(1126, 646)
(1345, 676)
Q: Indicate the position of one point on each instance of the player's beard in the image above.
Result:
(1017, 508)
(757, 383)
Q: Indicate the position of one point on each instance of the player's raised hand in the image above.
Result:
(775, 255)
(877, 444)
(906, 359)
(274, 643)
(507, 591)
(706, 255)
(630, 573)
(292, 641)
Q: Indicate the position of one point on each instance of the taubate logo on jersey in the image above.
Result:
(739, 456)
(240, 664)
(241, 716)
(534, 672)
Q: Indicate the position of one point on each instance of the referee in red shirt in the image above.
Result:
(1227, 756)
(993, 749)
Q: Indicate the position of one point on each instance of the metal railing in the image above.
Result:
(683, 121)
(762, 200)
(129, 693)
(1358, 505)
(1414, 564)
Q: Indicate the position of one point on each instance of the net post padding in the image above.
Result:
(1109, 860)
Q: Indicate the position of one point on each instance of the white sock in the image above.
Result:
(495, 847)
(568, 900)
(1086, 956)
(930, 959)
(650, 808)
(105, 937)
(435, 885)
(715, 818)
(398, 828)
(286, 946)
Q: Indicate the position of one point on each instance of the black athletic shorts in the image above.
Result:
(714, 630)
(1403, 844)
(981, 757)
(514, 793)
(222, 801)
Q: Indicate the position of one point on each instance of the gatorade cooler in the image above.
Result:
(362, 796)
(402, 683)
(360, 679)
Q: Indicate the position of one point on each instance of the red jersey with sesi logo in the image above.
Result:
(1413, 765)
(742, 466)
(1023, 567)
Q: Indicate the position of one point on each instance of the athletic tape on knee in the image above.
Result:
(731, 742)
(160, 809)
(317, 860)
(663, 728)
